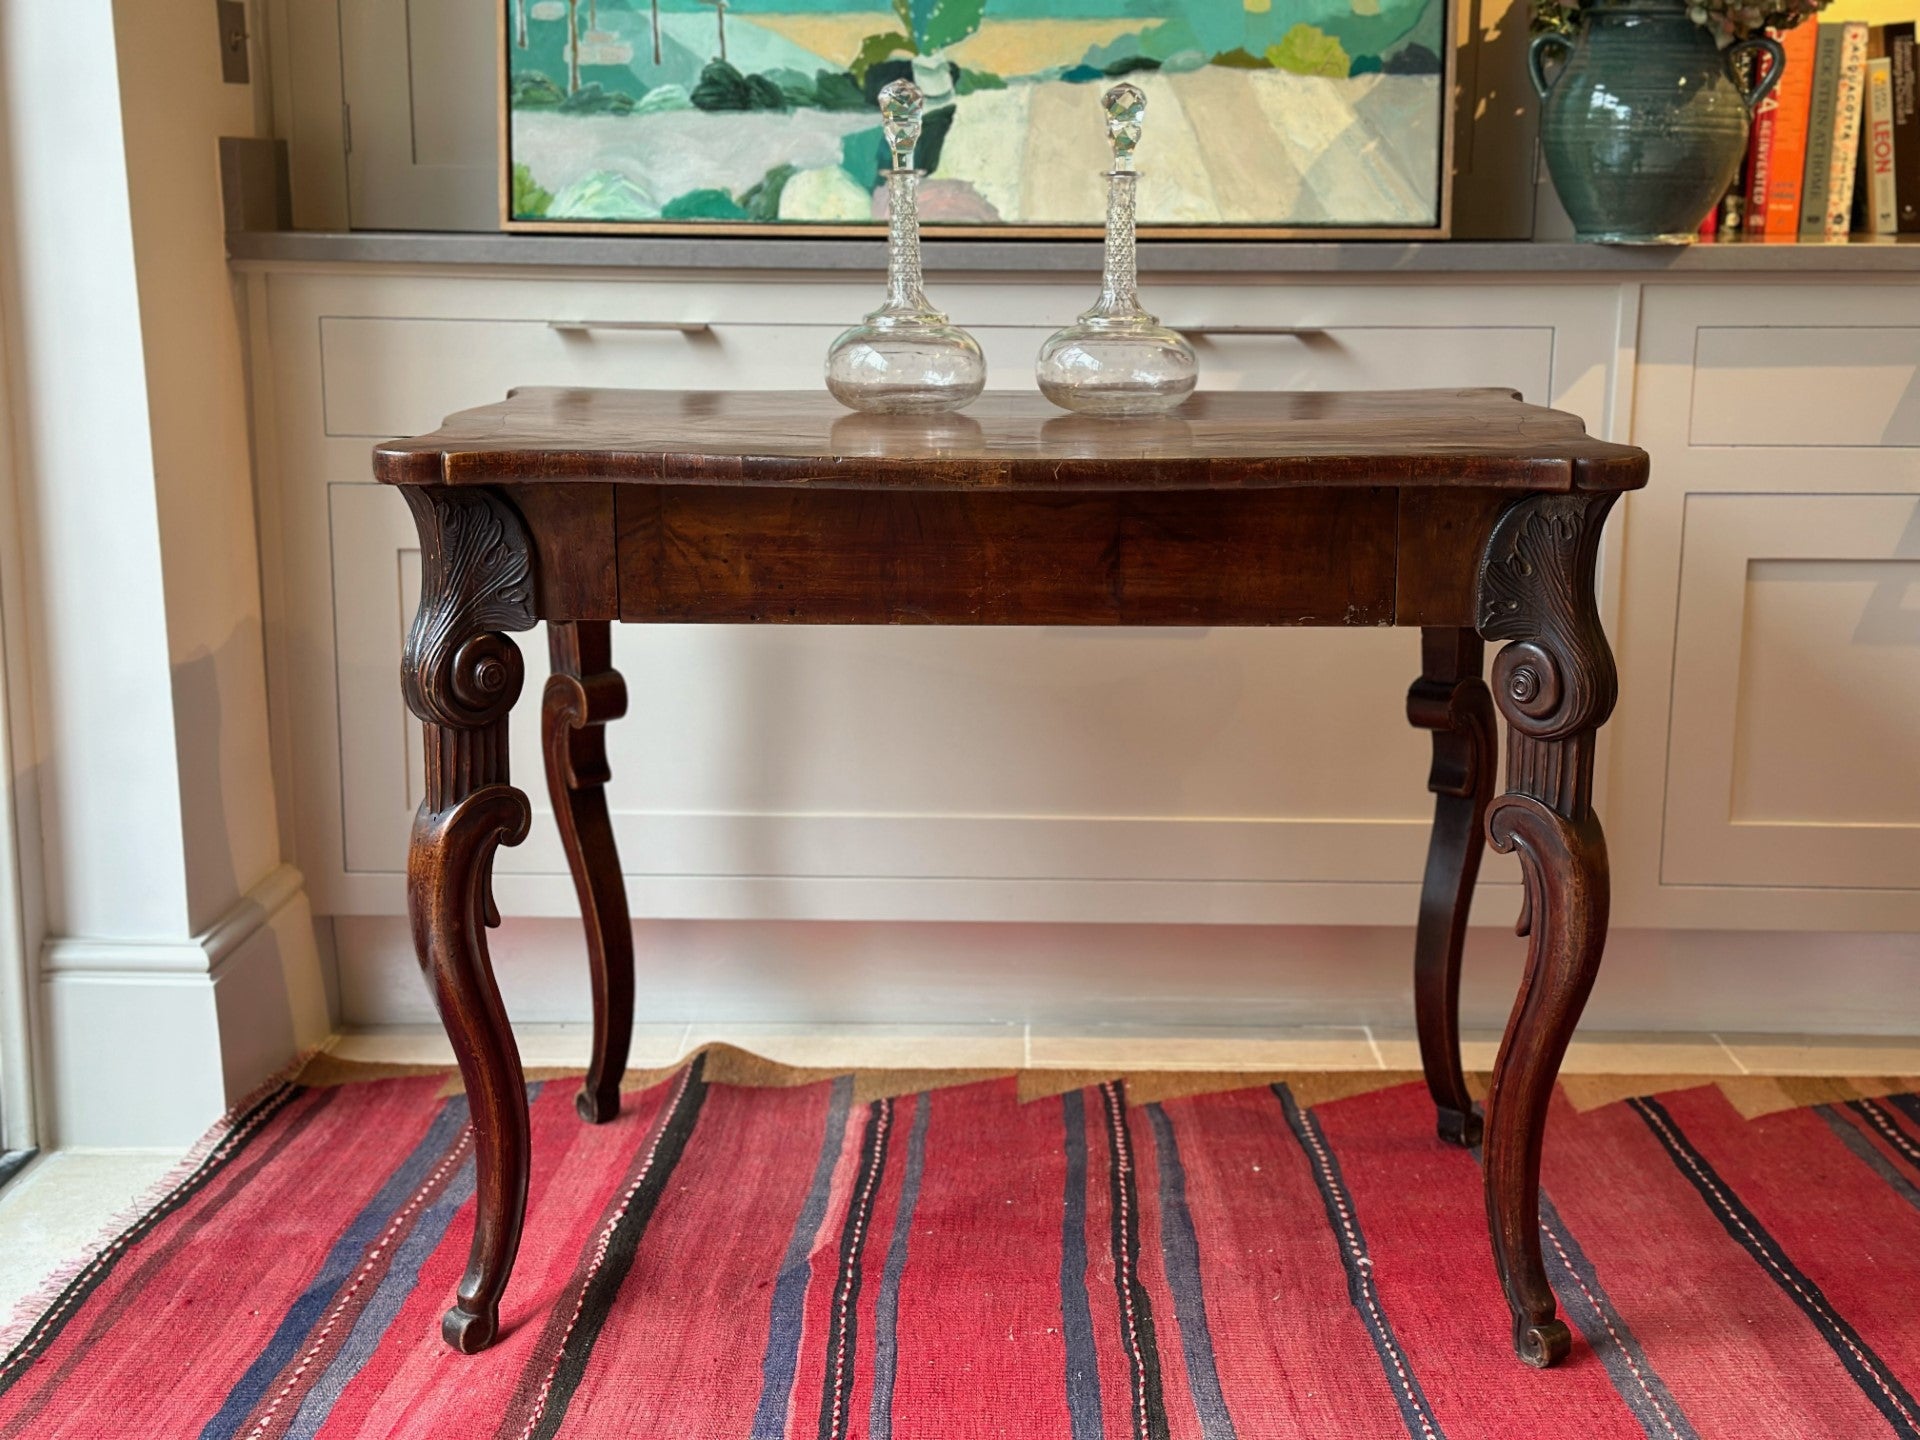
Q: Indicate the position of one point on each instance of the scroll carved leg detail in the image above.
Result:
(1564, 863)
(585, 693)
(461, 675)
(449, 877)
(1452, 701)
(1554, 684)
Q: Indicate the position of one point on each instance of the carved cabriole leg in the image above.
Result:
(1555, 685)
(461, 675)
(1451, 700)
(583, 695)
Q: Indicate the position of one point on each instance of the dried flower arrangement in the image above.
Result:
(1726, 20)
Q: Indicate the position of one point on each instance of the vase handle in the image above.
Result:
(1537, 58)
(1766, 46)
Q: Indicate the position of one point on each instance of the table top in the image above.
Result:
(1483, 438)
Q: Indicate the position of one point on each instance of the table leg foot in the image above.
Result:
(584, 693)
(1455, 1127)
(470, 1331)
(1542, 1344)
(1452, 701)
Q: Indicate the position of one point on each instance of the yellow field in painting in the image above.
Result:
(1000, 47)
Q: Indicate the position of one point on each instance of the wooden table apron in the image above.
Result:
(1465, 513)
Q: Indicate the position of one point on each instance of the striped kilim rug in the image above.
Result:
(1030, 1255)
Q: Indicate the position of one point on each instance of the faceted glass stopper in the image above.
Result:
(1126, 106)
(901, 105)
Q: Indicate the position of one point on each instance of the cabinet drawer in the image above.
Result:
(1837, 385)
(398, 375)
(1375, 357)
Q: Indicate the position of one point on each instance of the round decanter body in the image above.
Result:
(1127, 367)
(906, 358)
(1116, 359)
(906, 367)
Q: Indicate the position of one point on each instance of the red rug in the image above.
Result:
(761, 1262)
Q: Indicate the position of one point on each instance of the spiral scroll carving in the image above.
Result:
(1536, 590)
(458, 670)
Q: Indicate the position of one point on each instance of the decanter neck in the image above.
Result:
(906, 292)
(1120, 280)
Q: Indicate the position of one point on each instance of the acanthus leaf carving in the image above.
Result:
(1556, 677)
(458, 669)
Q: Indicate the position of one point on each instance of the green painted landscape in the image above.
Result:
(1259, 112)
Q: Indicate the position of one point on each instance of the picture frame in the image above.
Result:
(1238, 146)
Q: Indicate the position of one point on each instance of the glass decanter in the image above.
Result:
(905, 357)
(1116, 359)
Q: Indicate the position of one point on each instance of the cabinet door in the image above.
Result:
(1794, 757)
(1767, 759)
(422, 121)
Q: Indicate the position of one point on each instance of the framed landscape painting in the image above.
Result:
(1265, 118)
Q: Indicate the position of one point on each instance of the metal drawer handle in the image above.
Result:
(583, 327)
(1297, 332)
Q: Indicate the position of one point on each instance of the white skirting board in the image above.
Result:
(146, 1043)
(1177, 978)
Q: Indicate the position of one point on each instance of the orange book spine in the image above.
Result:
(1788, 154)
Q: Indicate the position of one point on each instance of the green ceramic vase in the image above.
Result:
(1645, 121)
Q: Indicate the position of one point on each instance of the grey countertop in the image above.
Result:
(1303, 257)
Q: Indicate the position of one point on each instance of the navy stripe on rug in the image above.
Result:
(622, 1247)
(1874, 1377)
(843, 1318)
(1592, 1312)
(1135, 1310)
(796, 1272)
(1871, 1154)
(1886, 1124)
(1907, 1104)
(290, 1337)
(246, 1127)
(396, 1288)
(886, 1307)
(1351, 1241)
(1180, 1249)
(1076, 1312)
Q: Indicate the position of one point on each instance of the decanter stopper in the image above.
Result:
(1116, 359)
(901, 105)
(1126, 107)
(906, 357)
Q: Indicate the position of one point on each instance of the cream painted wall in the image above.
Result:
(84, 458)
(177, 967)
(175, 107)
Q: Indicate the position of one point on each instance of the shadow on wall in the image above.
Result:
(231, 833)
(1888, 619)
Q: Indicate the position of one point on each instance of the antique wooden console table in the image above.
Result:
(1464, 512)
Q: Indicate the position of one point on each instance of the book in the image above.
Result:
(1862, 213)
(1816, 174)
(1760, 147)
(1787, 140)
(1833, 131)
(1902, 60)
(1849, 103)
(1876, 150)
